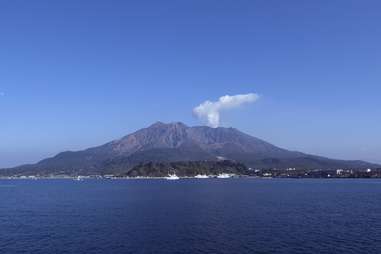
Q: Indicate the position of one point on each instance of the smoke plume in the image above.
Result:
(209, 111)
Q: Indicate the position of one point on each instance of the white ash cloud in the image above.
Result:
(209, 111)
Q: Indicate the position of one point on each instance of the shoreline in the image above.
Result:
(84, 178)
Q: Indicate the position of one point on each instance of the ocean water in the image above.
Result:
(190, 216)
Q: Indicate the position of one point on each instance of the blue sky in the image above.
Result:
(75, 74)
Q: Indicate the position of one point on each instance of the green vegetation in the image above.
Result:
(189, 168)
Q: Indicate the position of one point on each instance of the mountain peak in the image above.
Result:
(156, 124)
(161, 124)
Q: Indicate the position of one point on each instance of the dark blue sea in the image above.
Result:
(190, 216)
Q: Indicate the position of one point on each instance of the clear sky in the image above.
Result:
(75, 74)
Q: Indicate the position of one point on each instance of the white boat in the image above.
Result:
(224, 176)
(79, 178)
(201, 176)
(172, 177)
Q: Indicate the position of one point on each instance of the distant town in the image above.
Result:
(253, 173)
(317, 173)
